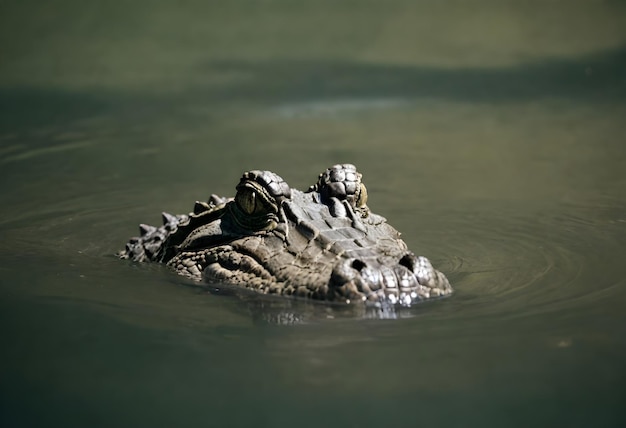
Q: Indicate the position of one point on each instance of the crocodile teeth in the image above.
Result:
(145, 229)
(168, 218)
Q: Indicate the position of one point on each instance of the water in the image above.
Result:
(492, 136)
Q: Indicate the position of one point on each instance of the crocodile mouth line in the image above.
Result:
(225, 265)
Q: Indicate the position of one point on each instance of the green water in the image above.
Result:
(491, 134)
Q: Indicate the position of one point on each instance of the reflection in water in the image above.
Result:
(337, 108)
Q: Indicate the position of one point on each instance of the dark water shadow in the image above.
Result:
(597, 77)
(25, 107)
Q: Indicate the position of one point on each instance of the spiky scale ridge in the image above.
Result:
(168, 218)
(145, 229)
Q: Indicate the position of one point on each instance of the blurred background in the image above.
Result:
(490, 133)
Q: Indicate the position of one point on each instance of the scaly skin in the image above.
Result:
(322, 244)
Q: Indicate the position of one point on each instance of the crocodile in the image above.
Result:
(323, 243)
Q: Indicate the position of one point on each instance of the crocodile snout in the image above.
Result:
(405, 281)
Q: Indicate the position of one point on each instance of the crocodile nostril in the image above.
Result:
(358, 265)
(408, 261)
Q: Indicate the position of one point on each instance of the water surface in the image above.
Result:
(491, 136)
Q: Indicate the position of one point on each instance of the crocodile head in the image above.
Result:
(322, 244)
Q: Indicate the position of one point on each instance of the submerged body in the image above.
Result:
(322, 244)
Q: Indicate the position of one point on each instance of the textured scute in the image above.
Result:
(322, 244)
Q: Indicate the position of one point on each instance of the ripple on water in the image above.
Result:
(19, 148)
(500, 265)
(524, 266)
(95, 223)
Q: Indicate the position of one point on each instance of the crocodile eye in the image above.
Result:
(249, 202)
(362, 198)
